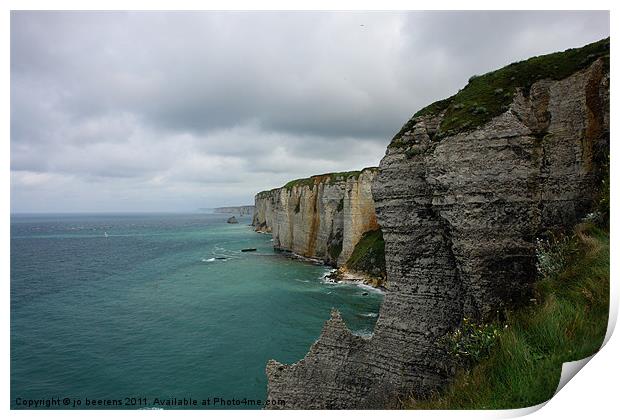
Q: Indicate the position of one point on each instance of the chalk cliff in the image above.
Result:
(321, 217)
(464, 190)
(240, 210)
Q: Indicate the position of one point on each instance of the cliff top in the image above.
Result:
(328, 178)
(489, 95)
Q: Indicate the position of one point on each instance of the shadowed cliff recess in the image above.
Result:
(465, 194)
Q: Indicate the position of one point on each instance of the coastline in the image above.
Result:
(337, 275)
(361, 279)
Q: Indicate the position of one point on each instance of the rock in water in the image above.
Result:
(232, 219)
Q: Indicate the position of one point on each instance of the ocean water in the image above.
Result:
(152, 311)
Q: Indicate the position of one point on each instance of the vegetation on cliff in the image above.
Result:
(329, 178)
(266, 193)
(324, 178)
(520, 360)
(489, 95)
(369, 255)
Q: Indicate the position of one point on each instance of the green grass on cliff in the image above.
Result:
(266, 193)
(369, 254)
(567, 322)
(490, 94)
(328, 178)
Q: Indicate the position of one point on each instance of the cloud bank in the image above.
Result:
(172, 111)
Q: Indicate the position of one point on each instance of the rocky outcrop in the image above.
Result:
(240, 210)
(321, 217)
(462, 193)
(232, 220)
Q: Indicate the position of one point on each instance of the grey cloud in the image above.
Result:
(177, 110)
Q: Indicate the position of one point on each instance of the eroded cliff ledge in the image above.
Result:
(463, 191)
(321, 217)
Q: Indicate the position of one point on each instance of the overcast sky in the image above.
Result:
(173, 111)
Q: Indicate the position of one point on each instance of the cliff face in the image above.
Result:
(460, 206)
(319, 217)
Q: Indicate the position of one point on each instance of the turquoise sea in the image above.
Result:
(153, 311)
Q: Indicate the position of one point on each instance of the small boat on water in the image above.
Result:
(248, 249)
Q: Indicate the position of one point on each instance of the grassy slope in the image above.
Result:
(369, 255)
(568, 322)
(489, 95)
